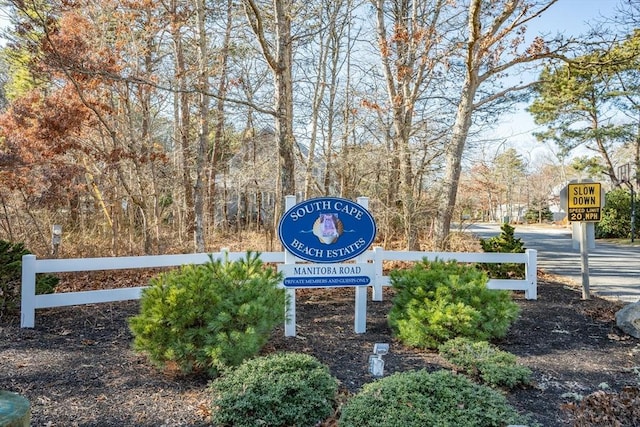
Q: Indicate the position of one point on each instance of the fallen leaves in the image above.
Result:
(608, 409)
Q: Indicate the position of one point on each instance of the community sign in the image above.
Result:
(327, 231)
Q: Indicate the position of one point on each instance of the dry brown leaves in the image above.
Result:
(607, 409)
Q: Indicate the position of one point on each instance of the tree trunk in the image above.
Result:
(279, 58)
(318, 95)
(284, 104)
(405, 74)
(183, 125)
(219, 139)
(453, 152)
(203, 129)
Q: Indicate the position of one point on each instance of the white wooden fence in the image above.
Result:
(32, 266)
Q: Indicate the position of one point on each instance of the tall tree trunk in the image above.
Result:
(347, 116)
(453, 151)
(284, 103)
(184, 123)
(219, 139)
(318, 95)
(279, 57)
(147, 144)
(513, 16)
(203, 128)
(335, 37)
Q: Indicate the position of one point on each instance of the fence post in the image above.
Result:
(28, 292)
(378, 254)
(360, 322)
(531, 274)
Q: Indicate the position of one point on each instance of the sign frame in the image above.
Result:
(584, 201)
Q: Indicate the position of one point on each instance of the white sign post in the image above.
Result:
(360, 321)
(583, 203)
(290, 310)
(584, 260)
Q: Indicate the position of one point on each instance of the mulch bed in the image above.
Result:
(77, 368)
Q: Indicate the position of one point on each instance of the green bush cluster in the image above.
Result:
(11, 278)
(505, 242)
(287, 389)
(615, 220)
(215, 318)
(420, 398)
(437, 301)
(480, 359)
(207, 317)
(542, 214)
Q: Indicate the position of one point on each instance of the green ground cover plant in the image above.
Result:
(486, 362)
(207, 317)
(279, 390)
(420, 398)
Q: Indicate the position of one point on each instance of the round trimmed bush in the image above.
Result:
(420, 398)
(436, 301)
(279, 390)
(205, 318)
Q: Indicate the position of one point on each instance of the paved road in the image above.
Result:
(614, 270)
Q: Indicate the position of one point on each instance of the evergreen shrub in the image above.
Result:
(486, 362)
(285, 389)
(542, 214)
(505, 242)
(420, 398)
(11, 278)
(206, 317)
(436, 301)
(615, 219)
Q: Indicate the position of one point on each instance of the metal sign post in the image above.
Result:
(584, 260)
(583, 203)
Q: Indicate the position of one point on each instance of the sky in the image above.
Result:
(570, 17)
(4, 22)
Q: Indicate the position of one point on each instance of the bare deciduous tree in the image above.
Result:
(279, 56)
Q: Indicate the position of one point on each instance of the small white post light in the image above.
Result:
(376, 364)
(56, 239)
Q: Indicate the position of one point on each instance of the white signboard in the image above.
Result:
(327, 275)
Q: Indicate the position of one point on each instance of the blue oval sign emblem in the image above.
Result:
(327, 229)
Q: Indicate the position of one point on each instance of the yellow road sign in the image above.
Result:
(584, 201)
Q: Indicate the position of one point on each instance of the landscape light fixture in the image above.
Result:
(56, 239)
(376, 364)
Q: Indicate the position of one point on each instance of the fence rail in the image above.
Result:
(32, 266)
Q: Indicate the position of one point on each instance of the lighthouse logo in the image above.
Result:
(327, 228)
